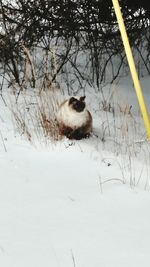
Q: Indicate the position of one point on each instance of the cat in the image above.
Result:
(74, 120)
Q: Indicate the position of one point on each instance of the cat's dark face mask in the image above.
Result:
(77, 105)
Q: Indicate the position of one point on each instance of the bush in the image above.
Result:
(74, 29)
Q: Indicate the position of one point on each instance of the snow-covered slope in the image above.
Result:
(76, 203)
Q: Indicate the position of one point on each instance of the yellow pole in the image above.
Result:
(133, 70)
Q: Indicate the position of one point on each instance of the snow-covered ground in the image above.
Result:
(78, 203)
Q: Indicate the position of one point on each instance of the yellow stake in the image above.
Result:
(131, 63)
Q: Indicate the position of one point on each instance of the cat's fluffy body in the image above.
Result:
(74, 120)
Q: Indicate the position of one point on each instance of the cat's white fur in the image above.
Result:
(71, 117)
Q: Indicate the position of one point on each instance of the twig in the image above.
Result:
(100, 182)
(26, 51)
(113, 179)
(3, 141)
(73, 259)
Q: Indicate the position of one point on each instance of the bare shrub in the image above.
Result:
(86, 29)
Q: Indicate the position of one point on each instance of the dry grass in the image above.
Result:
(123, 135)
(34, 116)
(36, 100)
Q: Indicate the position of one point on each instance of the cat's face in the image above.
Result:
(77, 104)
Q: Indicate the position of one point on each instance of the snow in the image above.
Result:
(75, 203)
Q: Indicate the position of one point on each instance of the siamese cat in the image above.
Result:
(74, 120)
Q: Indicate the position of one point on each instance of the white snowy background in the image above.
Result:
(78, 203)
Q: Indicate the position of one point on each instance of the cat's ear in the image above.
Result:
(82, 98)
(71, 100)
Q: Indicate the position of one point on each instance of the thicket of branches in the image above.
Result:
(65, 31)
